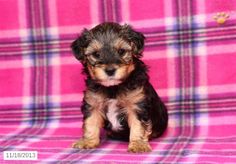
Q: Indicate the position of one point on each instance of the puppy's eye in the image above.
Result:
(121, 51)
(96, 54)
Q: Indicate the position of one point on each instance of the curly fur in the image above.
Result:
(139, 110)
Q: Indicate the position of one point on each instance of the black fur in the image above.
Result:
(152, 108)
(80, 44)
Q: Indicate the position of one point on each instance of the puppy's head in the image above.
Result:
(108, 51)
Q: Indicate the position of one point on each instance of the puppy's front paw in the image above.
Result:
(139, 147)
(86, 143)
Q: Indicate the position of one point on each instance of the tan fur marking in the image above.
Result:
(130, 68)
(127, 58)
(148, 129)
(138, 134)
(138, 141)
(93, 46)
(139, 146)
(91, 71)
(136, 128)
(93, 123)
(91, 59)
(124, 71)
(129, 99)
(97, 72)
(91, 127)
(96, 100)
(121, 43)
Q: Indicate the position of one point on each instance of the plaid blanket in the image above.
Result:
(192, 67)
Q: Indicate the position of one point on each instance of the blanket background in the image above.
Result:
(192, 67)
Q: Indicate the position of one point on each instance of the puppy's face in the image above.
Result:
(108, 51)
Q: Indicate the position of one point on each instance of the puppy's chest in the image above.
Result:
(115, 115)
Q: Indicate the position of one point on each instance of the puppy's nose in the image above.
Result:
(110, 71)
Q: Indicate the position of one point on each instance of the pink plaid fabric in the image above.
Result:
(192, 63)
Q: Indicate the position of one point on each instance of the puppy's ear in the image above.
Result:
(135, 38)
(78, 46)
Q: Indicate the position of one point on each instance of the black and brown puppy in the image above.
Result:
(119, 96)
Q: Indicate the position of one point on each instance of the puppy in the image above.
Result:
(119, 97)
